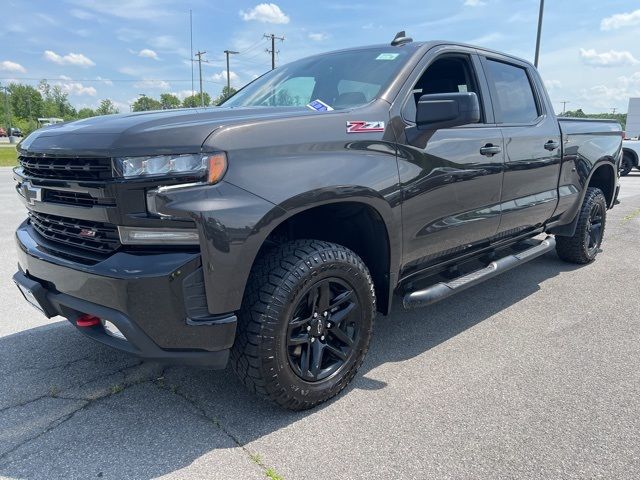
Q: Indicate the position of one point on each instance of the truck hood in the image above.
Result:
(144, 133)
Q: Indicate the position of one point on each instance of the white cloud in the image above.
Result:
(474, 3)
(620, 20)
(222, 76)
(81, 14)
(318, 37)
(613, 93)
(182, 94)
(488, 38)
(552, 84)
(76, 59)
(148, 53)
(47, 18)
(612, 58)
(75, 88)
(128, 9)
(13, 67)
(152, 84)
(266, 13)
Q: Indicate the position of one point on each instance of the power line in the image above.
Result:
(273, 48)
(252, 46)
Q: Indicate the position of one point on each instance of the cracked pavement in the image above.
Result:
(533, 374)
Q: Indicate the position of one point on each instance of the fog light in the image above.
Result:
(112, 330)
(158, 236)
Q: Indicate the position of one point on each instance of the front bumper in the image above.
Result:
(156, 300)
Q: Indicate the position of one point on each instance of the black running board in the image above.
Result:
(440, 291)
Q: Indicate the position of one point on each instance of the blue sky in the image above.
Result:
(119, 49)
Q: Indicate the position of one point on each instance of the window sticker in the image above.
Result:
(319, 106)
(387, 56)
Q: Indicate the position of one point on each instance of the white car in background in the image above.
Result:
(630, 156)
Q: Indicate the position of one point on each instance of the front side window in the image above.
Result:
(515, 102)
(341, 80)
(447, 74)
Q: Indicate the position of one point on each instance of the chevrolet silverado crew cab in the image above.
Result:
(268, 232)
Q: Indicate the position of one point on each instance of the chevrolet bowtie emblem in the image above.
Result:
(31, 194)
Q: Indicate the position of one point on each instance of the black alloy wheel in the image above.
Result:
(594, 228)
(325, 326)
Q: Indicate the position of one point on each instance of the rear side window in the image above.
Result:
(515, 102)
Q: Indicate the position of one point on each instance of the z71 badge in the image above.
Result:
(358, 126)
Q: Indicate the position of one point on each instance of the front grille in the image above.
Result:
(70, 198)
(67, 168)
(98, 238)
(81, 199)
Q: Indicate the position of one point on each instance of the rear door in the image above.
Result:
(532, 143)
(451, 177)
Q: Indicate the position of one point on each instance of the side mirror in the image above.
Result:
(443, 110)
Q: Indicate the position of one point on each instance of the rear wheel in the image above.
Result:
(305, 324)
(585, 243)
(626, 165)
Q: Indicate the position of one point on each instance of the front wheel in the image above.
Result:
(585, 243)
(305, 324)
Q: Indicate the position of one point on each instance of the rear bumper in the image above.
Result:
(157, 301)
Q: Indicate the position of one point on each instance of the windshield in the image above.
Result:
(340, 80)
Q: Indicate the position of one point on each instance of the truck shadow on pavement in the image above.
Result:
(72, 408)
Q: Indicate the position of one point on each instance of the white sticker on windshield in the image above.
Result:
(319, 106)
(387, 56)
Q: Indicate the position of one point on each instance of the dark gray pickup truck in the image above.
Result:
(270, 230)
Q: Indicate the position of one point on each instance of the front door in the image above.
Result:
(451, 178)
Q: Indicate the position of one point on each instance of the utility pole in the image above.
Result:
(6, 109)
(191, 41)
(535, 62)
(613, 110)
(273, 48)
(564, 105)
(199, 55)
(227, 53)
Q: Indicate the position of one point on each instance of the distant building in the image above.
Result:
(633, 118)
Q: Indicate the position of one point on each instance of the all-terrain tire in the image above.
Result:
(583, 247)
(280, 279)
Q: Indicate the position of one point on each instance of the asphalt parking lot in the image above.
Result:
(535, 374)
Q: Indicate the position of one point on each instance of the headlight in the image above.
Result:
(213, 165)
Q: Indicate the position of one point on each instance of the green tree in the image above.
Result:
(575, 113)
(56, 102)
(26, 101)
(168, 101)
(226, 93)
(86, 113)
(106, 108)
(194, 100)
(145, 103)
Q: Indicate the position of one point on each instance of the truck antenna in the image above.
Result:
(400, 39)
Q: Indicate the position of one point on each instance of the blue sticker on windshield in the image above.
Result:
(319, 106)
